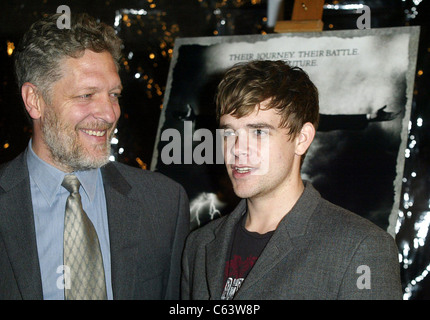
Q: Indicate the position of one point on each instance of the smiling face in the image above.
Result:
(73, 131)
(261, 158)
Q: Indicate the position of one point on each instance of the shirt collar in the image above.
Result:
(48, 178)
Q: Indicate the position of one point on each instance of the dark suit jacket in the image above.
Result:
(148, 218)
(315, 253)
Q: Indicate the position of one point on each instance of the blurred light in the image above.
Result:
(141, 163)
(343, 6)
(117, 20)
(10, 47)
(123, 15)
(422, 228)
(6, 145)
(121, 150)
(111, 158)
(406, 196)
(419, 122)
(414, 282)
(137, 75)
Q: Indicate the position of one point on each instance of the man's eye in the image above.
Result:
(260, 132)
(116, 95)
(86, 96)
(229, 133)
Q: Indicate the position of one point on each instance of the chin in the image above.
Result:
(243, 193)
(88, 160)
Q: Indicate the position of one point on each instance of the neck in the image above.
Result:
(41, 150)
(265, 212)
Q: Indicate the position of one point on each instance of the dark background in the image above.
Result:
(148, 43)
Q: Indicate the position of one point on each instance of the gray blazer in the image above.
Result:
(315, 253)
(148, 217)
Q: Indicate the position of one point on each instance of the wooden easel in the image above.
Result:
(306, 17)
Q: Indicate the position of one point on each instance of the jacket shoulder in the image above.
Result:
(341, 220)
(13, 172)
(149, 179)
(346, 235)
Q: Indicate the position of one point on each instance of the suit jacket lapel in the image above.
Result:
(122, 222)
(217, 251)
(288, 237)
(277, 249)
(20, 236)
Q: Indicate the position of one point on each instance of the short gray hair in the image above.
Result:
(44, 45)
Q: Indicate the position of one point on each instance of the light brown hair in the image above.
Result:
(287, 89)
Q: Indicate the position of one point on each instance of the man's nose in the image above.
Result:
(240, 148)
(107, 109)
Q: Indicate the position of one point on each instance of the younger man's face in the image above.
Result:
(259, 155)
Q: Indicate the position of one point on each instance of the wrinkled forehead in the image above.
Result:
(90, 70)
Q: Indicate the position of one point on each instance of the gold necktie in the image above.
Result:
(83, 263)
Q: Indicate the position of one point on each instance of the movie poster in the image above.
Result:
(365, 82)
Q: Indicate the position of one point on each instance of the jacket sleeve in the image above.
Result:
(181, 232)
(185, 277)
(374, 271)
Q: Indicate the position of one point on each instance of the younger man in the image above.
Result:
(283, 241)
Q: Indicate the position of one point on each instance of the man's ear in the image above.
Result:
(305, 138)
(32, 100)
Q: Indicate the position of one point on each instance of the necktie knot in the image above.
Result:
(71, 183)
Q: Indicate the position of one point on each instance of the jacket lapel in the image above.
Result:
(217, 251)
(277, 249)
(18, 230)
(122, 222)
(286, 240)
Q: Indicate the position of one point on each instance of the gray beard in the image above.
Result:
(66, 149)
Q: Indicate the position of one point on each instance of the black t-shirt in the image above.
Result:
(245, 249)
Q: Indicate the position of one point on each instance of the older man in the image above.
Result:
(72, 224)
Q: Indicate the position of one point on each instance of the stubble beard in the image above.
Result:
(65, 148)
